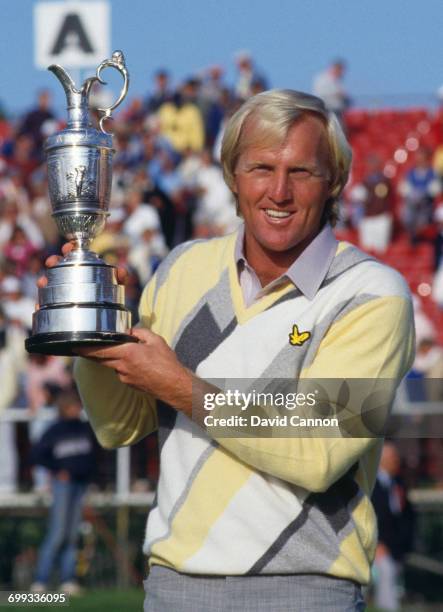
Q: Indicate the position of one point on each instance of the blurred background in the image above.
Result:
(192, 64)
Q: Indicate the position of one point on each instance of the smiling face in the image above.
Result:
(281, 191)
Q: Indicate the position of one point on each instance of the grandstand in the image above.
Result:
(395, 135)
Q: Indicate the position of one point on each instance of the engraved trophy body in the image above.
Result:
(82, 302)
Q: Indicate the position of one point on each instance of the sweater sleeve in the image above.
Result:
(119, 414)
(375, 342)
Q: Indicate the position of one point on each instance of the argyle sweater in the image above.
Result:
(244, 506)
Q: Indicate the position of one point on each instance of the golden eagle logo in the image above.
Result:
(297, 338)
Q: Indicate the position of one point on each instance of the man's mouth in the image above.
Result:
(277, 214)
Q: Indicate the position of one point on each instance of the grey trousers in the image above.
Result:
(170, 591)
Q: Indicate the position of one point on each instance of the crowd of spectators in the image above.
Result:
(376, 204)
(168, 187)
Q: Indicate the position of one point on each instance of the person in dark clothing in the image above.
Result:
(36, 118)
(375, 227)
(396, 519)
(67, 450)
(162, 92)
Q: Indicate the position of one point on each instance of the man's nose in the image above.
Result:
(279, 190)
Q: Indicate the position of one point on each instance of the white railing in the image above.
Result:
(122, 494)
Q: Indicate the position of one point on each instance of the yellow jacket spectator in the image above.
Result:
(181, 122)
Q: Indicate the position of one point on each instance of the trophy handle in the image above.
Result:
(118, 62)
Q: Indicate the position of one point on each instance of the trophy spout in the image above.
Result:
(77, 99)
(65, 80)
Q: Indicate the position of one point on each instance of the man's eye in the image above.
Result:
(301, 173)
(261, 168)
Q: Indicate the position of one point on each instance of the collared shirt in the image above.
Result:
(306, 273)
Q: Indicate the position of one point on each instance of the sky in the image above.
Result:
(392, 47)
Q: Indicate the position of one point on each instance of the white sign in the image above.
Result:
(72, 34)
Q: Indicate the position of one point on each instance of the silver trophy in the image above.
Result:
(82, 302)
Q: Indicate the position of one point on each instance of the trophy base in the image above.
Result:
(64, 343)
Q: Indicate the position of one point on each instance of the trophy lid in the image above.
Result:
(79, 129)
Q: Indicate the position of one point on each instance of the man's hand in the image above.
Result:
(148, 365)
(53, 260)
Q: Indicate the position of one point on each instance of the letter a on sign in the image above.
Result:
(73, 34)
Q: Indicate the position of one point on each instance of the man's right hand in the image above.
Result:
(53, 260)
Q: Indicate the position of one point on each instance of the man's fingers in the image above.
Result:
(102, 354)
(67, 248)
(122, 275)
(92, 353)
(142, 334)
(52, 261)
(42, 282)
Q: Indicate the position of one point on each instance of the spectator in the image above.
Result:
(48, 236)
(112, 237)
(162, 92)
(424, 328)
(41, 419)
(328, 86)
(18, 250)
(215, 214)
(419, 188)
(428, 365)
(9, 381)
(125, 155)
(181, 121)
(248, 76)
(395, 518)
(438, 240)
(17, 307)
(10, 217)
(375, 195)
(34, 269)
(34, 122)
(437, 283)
(212, 87)
(148, 251)
(140, 215)
(44, 371)
(67, 450)
(173, 187)
(22, 160)
(213, 101)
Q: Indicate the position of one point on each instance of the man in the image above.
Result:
(34, 122)
(419, 189)
(181, 121)
(396, 521)
(253, 523)
(375, 196)
(328, 86)
(249, 78)
(162, 92)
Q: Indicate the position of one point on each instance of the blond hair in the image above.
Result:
(274, 113)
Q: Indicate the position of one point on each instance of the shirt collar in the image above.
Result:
(310, 268)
